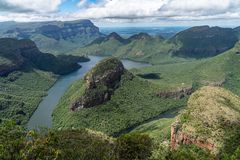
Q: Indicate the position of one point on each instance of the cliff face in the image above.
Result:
(178, 94)
(178, 137)
(100, 83)
(210, 121)
(68, 30)
(15, 54)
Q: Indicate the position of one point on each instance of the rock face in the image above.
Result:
(178, 94)
(178, 137)
(100, 83)
(210, 121)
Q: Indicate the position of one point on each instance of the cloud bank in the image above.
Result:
(122, 10)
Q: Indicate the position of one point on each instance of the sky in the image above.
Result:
(125, 12)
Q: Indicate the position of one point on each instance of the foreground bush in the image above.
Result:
(134, 147)
(18, 144)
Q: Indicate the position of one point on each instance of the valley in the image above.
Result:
(169, 96)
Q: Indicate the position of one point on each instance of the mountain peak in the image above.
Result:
(140, 36)
(116, 36)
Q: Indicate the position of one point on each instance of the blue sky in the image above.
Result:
(126, 12)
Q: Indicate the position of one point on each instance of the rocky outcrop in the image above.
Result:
(178, 94)
(210, 121)
(100, 84)
(178, 137)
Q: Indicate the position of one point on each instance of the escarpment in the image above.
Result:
(100, 83)
(179, 137)
(210, 121)
(24, 54)
(178, 94)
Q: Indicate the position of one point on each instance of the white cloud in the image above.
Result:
(120, 11)
(31, 5)
(131, 9)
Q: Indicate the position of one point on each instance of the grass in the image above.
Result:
(218, 70)
(21, 92)
(159, 128)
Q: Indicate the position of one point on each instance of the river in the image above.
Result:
(42, 117)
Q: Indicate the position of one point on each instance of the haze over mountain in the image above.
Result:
(54, 36)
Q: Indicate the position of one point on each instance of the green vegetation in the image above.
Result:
(193, 43)
(218, 70)
(54, 37)
(148, 49)
(70, 144)
(204, 41)
(133, 102)
(23, 80)
(22, 91)
(24, 52)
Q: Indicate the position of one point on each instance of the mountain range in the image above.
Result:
(195, 42)
(54, 36)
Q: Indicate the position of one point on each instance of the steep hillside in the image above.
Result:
(15, 54)
(26, 75)
(110, 99)
(54, 36)
(220, 70)
(204, 41)
(139, 47)
(211, 121)
(21, 92)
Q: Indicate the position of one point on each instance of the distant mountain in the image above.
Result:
(140, 47)
(193, 43)
(17, 54)
(204, 41)
(54, 36)
(140, 36)
(111, 37)
(237, 30)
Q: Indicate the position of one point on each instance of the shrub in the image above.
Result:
(134, 147)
